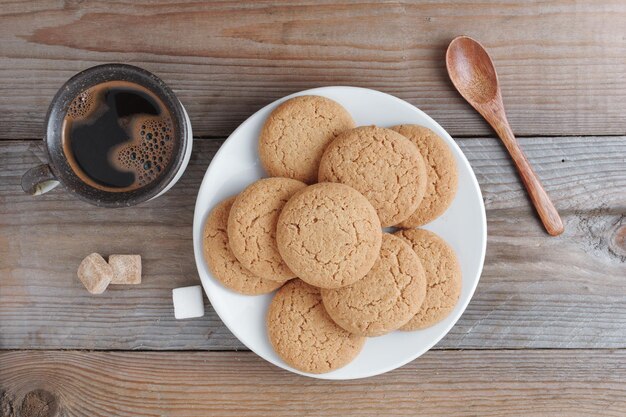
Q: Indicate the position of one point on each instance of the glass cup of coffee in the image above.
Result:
(116, 136)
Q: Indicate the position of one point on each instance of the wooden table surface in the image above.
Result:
(545, 333)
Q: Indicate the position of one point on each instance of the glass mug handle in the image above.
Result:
(39, 180)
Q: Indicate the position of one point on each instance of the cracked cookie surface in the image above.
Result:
(296, 133)
(329, 235)
(303, 334)
(443, 277)
(252, 227)
(220, 259)
(442, 176)
(389, 295)
(381, 164)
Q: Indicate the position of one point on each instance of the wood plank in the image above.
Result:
(535, 291)
(440, 383)
(226, 59)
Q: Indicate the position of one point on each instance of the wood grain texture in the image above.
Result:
(561, 63)
(444, 383)
(535, 291)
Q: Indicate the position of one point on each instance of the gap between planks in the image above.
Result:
(439, 383)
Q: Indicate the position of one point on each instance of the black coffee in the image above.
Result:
(118, 136)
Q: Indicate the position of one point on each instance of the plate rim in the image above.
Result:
(199, 217)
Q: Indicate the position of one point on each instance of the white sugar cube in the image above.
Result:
(188, 302)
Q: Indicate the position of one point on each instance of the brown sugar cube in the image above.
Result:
(126, 269)
(95, 273)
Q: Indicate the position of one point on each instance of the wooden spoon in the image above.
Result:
(474, 76)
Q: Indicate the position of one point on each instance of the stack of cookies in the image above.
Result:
(314, 230)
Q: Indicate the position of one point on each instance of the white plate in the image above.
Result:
(463, 226)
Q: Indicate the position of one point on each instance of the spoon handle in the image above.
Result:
(547, 212)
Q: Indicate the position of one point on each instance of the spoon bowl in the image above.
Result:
(471, 70)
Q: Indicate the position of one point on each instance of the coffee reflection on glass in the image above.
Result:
(121, 137)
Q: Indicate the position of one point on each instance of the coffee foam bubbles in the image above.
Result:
(150, 152)
(81, 106)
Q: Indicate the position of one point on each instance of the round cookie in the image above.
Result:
(303, 334)
(252, 227)
(443, 277)
(329, 235)
(220, 259)
(441, 170)
(389, 295)
(381, 164)
(297, 132)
